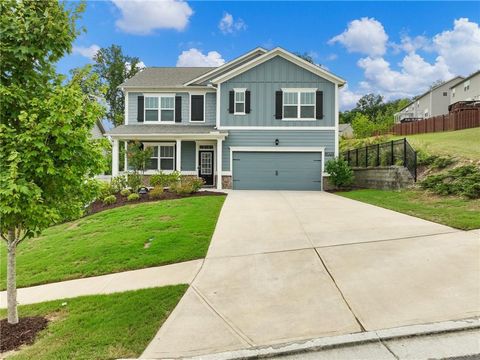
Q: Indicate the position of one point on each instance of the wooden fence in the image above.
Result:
(457, 119)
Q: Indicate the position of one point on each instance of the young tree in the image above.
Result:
(114, 68)
(47, 158)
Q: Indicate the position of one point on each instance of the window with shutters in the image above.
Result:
(299, 104)
(239, 102)
(160, 108)
(163, 158)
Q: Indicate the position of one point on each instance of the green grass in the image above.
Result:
(100, 327)
(462, 143)
(114, 241)
(455, 212)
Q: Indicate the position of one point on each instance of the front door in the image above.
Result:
(205, 168)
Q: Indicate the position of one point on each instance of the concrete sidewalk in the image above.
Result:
(290, 266)
(180, 273)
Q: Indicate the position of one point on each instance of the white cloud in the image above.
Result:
(414, 76)
(228, 25)
(141, 65)
(195, 57)
(460, 47)
(332, 57)
(142, 17)
(86, 51)
(347, 98)
(366, 36)
(409, 44)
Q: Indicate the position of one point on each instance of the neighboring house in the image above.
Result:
(98, 130)
(345, 130)
(266, 120)
(466, 90)
(431, 103)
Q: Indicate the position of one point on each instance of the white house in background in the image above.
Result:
(466, 90)
(98, 131)
(434, 102)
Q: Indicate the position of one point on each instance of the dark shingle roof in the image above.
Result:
(155, 129)
(165, 76)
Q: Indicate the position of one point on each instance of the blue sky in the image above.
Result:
(392, 48)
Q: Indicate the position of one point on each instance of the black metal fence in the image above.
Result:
(395, 152)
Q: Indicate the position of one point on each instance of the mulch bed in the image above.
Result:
(13, 336)
(98, 205)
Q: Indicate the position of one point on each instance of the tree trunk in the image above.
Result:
(12, 280)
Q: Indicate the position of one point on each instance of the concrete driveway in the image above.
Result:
(286, 266)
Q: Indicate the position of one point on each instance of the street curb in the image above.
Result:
(344, 340)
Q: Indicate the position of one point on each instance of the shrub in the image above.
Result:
(133, 197)
(125, 192)
(104, 189)
(462, 181)
(341, 175)
(156, 192)
(119, 183)
(134, 181)
(187, 185)
(109, 200)
(433, 161)
(164, 180)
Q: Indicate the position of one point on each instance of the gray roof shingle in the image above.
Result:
(154, 129)
(165, 76)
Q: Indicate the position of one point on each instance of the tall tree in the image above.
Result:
(370, 105)
(114, 68)
(47, 158)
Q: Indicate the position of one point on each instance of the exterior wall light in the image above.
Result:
(277, 142)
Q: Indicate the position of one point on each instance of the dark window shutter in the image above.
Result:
(319, 100)
(231, 102)
(140, 107)
(278, 104)
(197, 108)
(247, 102)
(178, 109)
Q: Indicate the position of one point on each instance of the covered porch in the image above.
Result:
(191, 150)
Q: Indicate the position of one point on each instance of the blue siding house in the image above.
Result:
(266, 120)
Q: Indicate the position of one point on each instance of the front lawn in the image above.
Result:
(124, 238)
(455, 212)
(100, 327)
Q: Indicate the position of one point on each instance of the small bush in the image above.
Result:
(187, 185)
(156, 192)
(105, 189)
(164, 180)
(134, 181)
(119, 183)
(462, 181)
(109, 200)
(133, 197)
(125, 192)
(433, 161)
(341, 175)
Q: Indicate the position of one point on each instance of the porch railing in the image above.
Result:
(395, 152)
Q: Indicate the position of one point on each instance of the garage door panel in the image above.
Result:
(277, 170)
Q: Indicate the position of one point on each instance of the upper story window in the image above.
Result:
(160, 108)
(453, 92)
(466, 85)
(299, 104)
(445, 93)
(239, 101)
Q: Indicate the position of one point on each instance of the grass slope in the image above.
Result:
(102, 326)
(454, 212)
(114, 241)
(462, 143)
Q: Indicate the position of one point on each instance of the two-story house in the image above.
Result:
(266, 120)
(466, 90)
(431, 103)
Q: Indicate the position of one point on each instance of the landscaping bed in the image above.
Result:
(98, 205)
(23, 333)
(98, 327)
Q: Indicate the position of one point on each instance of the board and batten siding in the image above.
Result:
(296, 138)
(263, 81)
(210, 108)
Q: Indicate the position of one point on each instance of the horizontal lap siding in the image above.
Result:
(314, 138)
(188, 155)
(262, 81)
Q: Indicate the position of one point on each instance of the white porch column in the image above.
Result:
(125, 168)
(115, 157)
(178, 155)
(219, 163)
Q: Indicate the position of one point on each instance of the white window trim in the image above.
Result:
(159, 109)
(299, 105)
(244, 102)
(197, 149)
(159, 157)
(204, 107)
